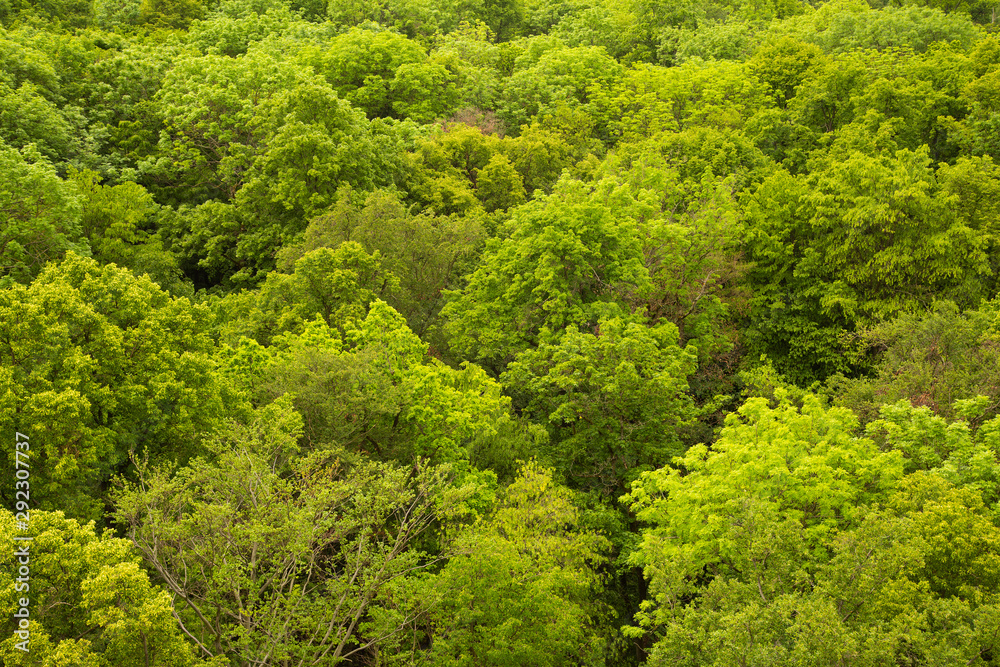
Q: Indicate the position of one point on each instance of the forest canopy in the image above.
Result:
(484, 333)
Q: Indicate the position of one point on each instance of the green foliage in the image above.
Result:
(120, 101)
(101, 364)
(909, 242)
(234, 27)
(211, 107)
(274, 140)
(115, 221)
(976, 132)
(631, 214)
(314, 565)
(315, 141)
(540, 155)
(933, 360)
(793, 537)
(562, 260)
(636, 239)
(425, 252)
(26, 63)
(175, 14)
(40, 214)
(846, 25)
(113, 216)
(687, 221)
(871, 101)
(650, 100)
(413, 18)
(335, 285)
(234, 121)
(783, 65)
(111, 14)
(769, 466)
(58, 14)
(28, 118)
(423, 92)
(729, 40)
(559, 77)
(613, 400)
(859, 240)
(963, 455)
(374, 390)
(361, 67)
(446, 168)
(90, 602)
(519, 588)
(498, 185)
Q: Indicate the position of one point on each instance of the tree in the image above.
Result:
(647, 234)
(423, 92)
(175, 14)
(300, 559)
(117, 222)
(729, 40)
(425, 252)
(859, 240)
(563, 259)
(783, 65)
(558, 77)
(369, 388)
(27, 117)
(315, 142)
(225, 113)
(335, 286)
(262, 145)
(210, 105)
(613, 400)
(445, 169)
(684, 188)
(67, 14)
(40, 213)
(89, 601)
(504, 17)
(794, 539)
(787, 319)
(541, 154)
(100, 364)
(848, 25)
(498, 185)
(361, 65)
(113, 217)
(885, 212)
(976, 132)
(931, 359)
(417, 19)
(519, 587)
(236, 24)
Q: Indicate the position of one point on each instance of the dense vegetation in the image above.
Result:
(483, 333)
